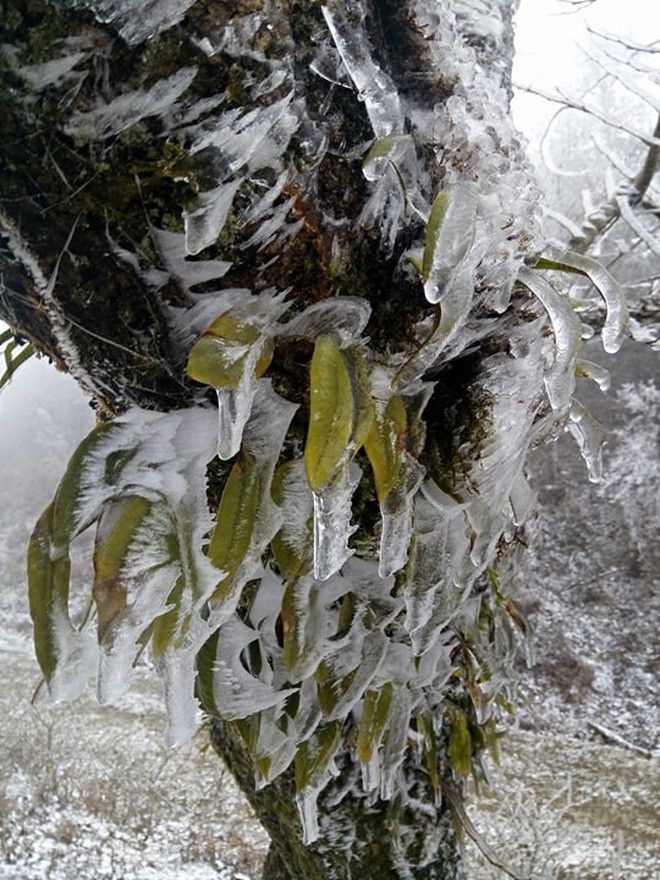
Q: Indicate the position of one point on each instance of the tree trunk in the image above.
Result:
(359, 838)
(135, 137)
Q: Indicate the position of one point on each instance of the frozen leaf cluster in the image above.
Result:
(347, 594)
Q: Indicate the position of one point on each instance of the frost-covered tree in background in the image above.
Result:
(292, 250)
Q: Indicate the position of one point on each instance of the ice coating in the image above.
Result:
(126, 110)
(567, 327)
(332, 594)
(137, 22)
(332, 521)
(205, 222)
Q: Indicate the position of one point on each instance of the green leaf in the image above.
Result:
(376, 709)
(67, 521)
(48, 592)
(433, 227)
(169, 624)
(460, 743)
(224, 352)
(384, 444)
(204, 681)
(340, 410)
(118, 525)
(48, 557)
(314, 755)
(330, 689)
(237, 514)
(331, 413)
(430, 749)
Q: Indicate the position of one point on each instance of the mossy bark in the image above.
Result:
(370, 840)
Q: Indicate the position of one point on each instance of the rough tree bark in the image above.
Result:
(134, 137)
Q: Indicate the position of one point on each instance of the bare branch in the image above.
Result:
(596, 222)
(570, 103)
(628, 44)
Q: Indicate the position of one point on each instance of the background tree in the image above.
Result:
(367, 296)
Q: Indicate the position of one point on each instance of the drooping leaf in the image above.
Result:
(228, 347)
(616, 319)
(430, 751)
(384, 444)
(314, 755)
(567, 329)
(376, 707)
(293, 545)
(117, 527)
(48, 589)
(331, 418)
(169, 624)
(436, 219)
(237, 514)
(450, 232)
(459, 750)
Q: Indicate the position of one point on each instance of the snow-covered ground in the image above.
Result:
(91, 792)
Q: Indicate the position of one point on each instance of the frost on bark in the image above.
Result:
(291, 250)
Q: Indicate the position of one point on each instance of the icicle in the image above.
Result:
(590, 439)
(177, 672)
(332, 522)
(234, 407)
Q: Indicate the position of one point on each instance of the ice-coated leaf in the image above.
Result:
(234, 351)
(340, 411)
(293, 545)
(237, 691)
(430, 752)
(567, 329)
(204, 224)
(449, 236)
(616, 319)
(459, 750)
(78, 501)
(384, 151)
(338, 694)
(228, 347)
(308, 629)
(59, 646)
(332, 521)
(247, 518)
(397, 476)
(384, 444)
(314, 755)
(589, 370)
(438, 564)
(376, 707)
(81, 494)
(312, 771)
(237, 514)
(396, 740)
(116, 530)
(344, 316)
